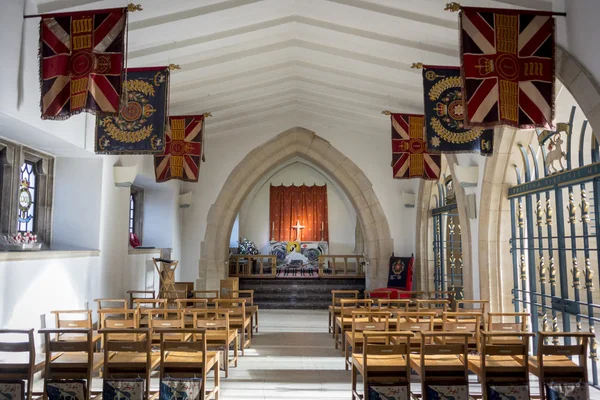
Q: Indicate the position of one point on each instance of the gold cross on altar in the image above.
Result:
(297, 227)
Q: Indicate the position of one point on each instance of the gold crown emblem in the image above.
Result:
(485, 66)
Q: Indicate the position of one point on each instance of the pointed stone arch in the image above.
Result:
(295, 142)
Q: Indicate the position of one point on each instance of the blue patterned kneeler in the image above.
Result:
(508, 392)
(119, 389)
(444, 392)
(181, 389)
(12, 390)
(66, 390)
(388, 393)
(567, 391)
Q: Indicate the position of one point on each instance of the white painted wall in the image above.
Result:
(254, 215)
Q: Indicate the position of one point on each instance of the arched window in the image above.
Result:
(27, 217)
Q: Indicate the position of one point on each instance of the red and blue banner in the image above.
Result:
(139, 127)
(82, 58)
(508, 67)
(183, 150)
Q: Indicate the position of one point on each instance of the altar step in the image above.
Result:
(303, 293)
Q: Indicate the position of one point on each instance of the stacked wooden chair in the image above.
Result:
(187, 360)
(219, 335)
(74, 319)
(238, 319)
(363, 321)
(335, 308)
(344, 321)
(385, 365)
(251, 307)
(128, 362)
(17, 364)
(70, 365)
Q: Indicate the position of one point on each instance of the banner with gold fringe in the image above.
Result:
(445, 115)
(410, 157)
(508, 67)
(82, 58)
(139, 128)
(183, 150)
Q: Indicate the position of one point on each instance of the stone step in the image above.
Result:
(300, 293)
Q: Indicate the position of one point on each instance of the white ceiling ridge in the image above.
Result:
(221, 118)
(370, 127)
(334, 114)
(303, 44)
(340, 104)
(396, 12)
(285, 117)
(219, 79)
(255, 115)
(190, 13)
(177, 99)
(398, 41)
(214, 106)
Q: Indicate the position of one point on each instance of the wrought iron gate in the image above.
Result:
(447, 246)
(555, 213)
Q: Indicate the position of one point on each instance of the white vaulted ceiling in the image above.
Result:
(248, 61)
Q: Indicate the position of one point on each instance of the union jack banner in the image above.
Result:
(81, 62)
(508, 67)
(183, 150)
(410, 157)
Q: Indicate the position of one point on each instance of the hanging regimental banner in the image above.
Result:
(183, 150)
(410, 157)
(507, 64)
(82, 57)
(139, 128)
(445, 115)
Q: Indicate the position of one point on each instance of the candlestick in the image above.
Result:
(273, 232)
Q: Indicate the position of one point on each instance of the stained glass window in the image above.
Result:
(131, 213)
(26, 219)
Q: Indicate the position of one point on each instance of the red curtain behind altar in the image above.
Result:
(288, 204)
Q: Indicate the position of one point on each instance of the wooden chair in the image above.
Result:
(363, 321)
(496, 322)
(148, 304)
(238, 319)
(20, 362)
(251, 308)
(394, 306)
(182, 359)
(344, 321)
(167, 319)
(443, 360)
(557, 362)
(219, 335)
(73, 359)
(473, 306)
(139, 294)
(437, 306)
(504, 361)
(188, 306)
(111, 303)
(74, 319)
(209, 295)
(129, 358)
(382, 362)
(415, 322)
(463, 322)
(335, 307)
(122, 319)
(379, 294)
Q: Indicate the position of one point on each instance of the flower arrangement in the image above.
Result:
(22, 237)
(20, 241)
(247, 247)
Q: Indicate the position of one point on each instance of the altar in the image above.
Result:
(295, 257)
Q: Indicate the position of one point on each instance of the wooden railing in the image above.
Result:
(245, 265)
(329, 267)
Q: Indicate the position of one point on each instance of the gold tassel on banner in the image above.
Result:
(174, 67)
(417, 65)
(207, 114)
(386, 112)
(134, 7)
(452, 7)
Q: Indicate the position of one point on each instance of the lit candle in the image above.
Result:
(273, 225)
(322, 225)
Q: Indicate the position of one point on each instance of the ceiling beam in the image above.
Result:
(57, 5)
(190, 13)
(396, 12)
